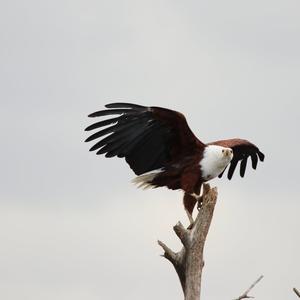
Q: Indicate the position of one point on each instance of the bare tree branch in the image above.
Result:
(169, 254)
(182, 233)
(245, 294)
(188, 262)
(296, 292)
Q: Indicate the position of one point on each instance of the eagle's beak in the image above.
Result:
(228, 152)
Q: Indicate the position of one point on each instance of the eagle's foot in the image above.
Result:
(200, 202)
(190, 227)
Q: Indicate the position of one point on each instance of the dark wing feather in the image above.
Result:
(243, 166)
(148, 137)
(242, 149)
(103, 123)
(232, 168)
(254, 160)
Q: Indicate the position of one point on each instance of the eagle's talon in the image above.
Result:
(191, 226)
(200, 202)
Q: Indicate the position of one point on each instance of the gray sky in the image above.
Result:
(72, 226)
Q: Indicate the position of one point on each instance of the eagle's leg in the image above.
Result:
(189, 202)
(190, 217)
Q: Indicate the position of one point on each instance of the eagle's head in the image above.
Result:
(215, 160)
(227, 154)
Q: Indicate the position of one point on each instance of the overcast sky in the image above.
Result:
(72, 226)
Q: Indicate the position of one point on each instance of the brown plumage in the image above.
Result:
(159, 146)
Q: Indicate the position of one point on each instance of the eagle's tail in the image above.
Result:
(144, 181)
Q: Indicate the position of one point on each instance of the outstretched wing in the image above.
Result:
(148, 137)
(242, 150)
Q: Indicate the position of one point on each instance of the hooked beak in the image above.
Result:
(228, 153)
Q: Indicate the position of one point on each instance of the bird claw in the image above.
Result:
(200, 202)
(190, 226)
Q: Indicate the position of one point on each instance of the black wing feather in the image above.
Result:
(119, 141)
(126, 149)
(137, 157)
(254, 160)
(243, 166)
(148, 137)
(261, 156)
(119, 127)
(232, 168)
(107, 112)
(242, 149)
(103, 123)
(125, 105)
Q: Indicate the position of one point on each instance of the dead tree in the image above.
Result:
(296, 292)
(188, 262)
(245, 294)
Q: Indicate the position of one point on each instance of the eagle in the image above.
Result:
(162, 151)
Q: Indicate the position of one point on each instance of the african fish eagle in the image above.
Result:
(161, 149)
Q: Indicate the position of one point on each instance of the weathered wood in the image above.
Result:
(245, 294)
(189, 262)
(296, 292)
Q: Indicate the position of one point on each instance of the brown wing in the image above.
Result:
(148, 137)
(242, 150)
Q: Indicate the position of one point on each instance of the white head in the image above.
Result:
(214, 161)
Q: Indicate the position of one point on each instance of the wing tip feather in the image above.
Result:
(261, 156)
(92, 115)
(124, 105)
(89, 128)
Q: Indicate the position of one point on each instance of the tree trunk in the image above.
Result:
(189, 262)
